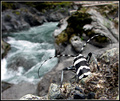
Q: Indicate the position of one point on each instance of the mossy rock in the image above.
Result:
(16, 12)
(77, 21)
(108, 10)
(8, 17)
(99, 39)
(7, 5)
(62, 37)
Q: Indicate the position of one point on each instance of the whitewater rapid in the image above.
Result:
(28, 50)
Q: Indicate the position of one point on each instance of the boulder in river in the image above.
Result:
(5, 47)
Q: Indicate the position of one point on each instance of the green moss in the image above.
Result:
(24, 9)
(8, 16)
(17, 13)
(108, 10)
(48, 5)
(75, 26)
(7, 5)
(77, 21)
(62, 37)
(101, 39)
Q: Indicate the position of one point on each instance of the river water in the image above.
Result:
(28, 50)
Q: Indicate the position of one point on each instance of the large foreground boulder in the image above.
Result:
(18, 90)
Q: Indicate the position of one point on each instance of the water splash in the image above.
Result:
(29, 47)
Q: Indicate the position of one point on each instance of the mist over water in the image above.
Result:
(28, 50)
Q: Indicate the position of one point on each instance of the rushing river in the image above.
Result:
(28, 50)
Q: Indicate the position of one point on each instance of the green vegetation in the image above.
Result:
(38, 5)
(16, 12)
(61, 38)
(75, 28)
(75, 25)
(48, 5)
(8, 5)
(8, 16)
(77, 21)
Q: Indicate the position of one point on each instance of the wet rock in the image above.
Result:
(5, 47)
(21, 16)
(20, 61)
(62, 25)
(20, 19)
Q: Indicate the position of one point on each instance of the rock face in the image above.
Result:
(20, 19)
(83, 24)
(69, 40)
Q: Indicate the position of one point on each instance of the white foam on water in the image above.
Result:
(23, 45)
(3, 68)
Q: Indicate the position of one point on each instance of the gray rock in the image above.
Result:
(5, 85)
(54, 76)
(54, 91)
(62, 25)
(76, 43)
(4, 48)
(102, 25)
(109, 54)
(20, 19)
(19, 90)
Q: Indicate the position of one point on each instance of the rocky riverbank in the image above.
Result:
(22, 16)
(100, 85)
(72, 33)
(69, 38)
